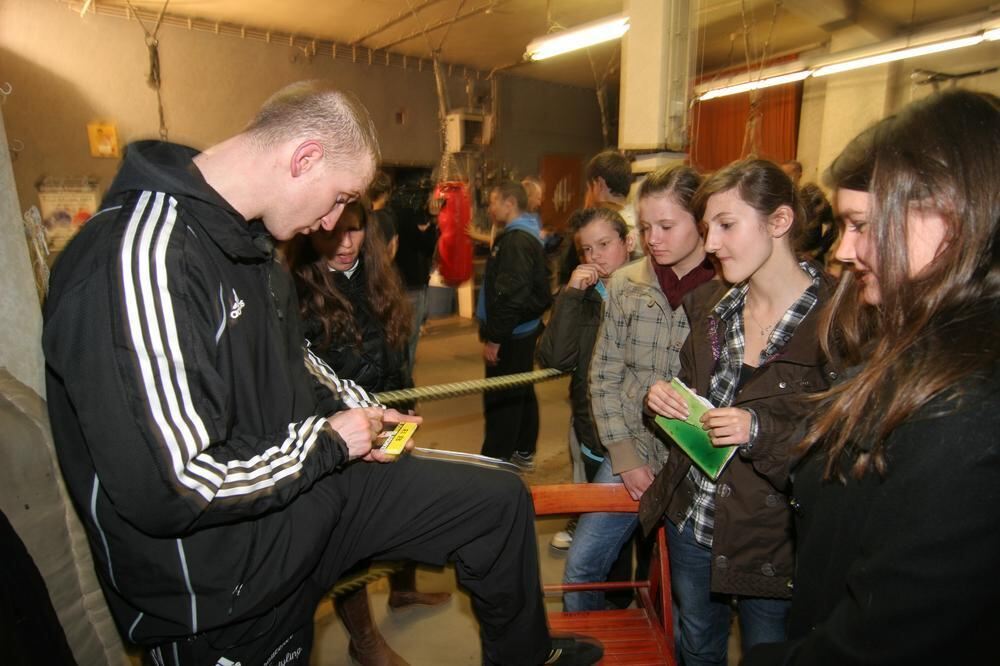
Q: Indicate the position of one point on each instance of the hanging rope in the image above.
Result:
(152, 47)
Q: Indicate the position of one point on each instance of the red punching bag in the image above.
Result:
(454, 244)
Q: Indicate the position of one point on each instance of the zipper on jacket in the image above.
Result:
(238, 590)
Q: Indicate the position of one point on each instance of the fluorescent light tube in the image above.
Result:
(900, 54)
(585, 35)
(755, 85)
(992, 35)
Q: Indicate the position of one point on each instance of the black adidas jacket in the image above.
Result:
(186, 423)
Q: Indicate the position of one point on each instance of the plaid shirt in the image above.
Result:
(725, 383)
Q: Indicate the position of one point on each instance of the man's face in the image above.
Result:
(500, 209)
(316, 198)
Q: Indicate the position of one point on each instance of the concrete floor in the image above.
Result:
(449, 351)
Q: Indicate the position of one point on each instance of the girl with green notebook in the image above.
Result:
(753, 352)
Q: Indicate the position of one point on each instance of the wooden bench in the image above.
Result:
(636, 636)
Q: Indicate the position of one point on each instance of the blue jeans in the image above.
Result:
(418, 301)
(598, 539)
(702, 618)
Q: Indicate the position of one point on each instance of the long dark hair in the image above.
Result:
(320, 299)
(932, 330)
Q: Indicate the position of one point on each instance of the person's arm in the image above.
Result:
(607, 376)
(924, 583)
(559, 346)
(170, 446)
(511, 287)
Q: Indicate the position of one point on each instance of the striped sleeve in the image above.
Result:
(172, 381)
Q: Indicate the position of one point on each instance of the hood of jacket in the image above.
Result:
(159, 166)
(528, 222)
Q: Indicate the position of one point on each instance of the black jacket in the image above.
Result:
(568, 344)
(901, 569)
(374, 365)
(415, 255)
(186, 424)
(516, 283)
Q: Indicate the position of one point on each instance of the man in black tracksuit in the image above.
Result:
(514, 294)
(220, 485)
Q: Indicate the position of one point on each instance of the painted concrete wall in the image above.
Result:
(68, 71)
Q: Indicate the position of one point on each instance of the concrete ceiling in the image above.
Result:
(492, 34)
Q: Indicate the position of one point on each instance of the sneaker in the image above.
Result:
(526, 461)
(572, 650)
(562, 539)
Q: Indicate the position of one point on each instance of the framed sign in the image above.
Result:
(103, 140)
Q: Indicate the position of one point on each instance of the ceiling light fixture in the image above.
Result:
(899, 54)
(927, 43)
(580, 37)
(756, 85)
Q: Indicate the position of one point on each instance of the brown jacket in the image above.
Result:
(752, 538)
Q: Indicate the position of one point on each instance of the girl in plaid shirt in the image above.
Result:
(753, 352)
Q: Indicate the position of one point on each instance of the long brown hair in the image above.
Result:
(320, 299)
(762, 185)
(932, 330)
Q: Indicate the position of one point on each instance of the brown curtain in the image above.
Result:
(722, 130)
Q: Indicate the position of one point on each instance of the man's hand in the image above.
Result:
(637, 480)
(584, 276)
(357, 427)
(727, 426)
(491, 352)
(391, 417)
(663, 399)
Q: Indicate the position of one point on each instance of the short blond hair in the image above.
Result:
(317, 110)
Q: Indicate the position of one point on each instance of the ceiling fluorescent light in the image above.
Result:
(900, 54)
(755, 85)
(992, 35)
(582, 36)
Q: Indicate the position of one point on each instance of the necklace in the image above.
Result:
(765, 331)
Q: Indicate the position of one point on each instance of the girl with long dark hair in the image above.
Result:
(897, 526)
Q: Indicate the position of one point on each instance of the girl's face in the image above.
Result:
(342, 245)
(737, 234)
(669, 231)
(601, 245)
(926, 236)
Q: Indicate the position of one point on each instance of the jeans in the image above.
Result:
(598, 539)
(418, 301)
(703, 618)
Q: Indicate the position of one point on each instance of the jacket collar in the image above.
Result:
(159, 166)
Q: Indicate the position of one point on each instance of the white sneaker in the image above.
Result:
(561, 540)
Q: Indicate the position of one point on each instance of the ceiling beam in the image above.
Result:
(403, 15)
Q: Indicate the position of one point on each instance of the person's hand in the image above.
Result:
(391, 417)
(491, 352)
(584, 276)
(358, 427)
(663, 399)
(727, 426)
(637, 480)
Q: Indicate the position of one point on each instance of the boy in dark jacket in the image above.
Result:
(514, 294)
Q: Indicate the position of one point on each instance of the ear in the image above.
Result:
(780, 221)
(630, 240)
(307, 156)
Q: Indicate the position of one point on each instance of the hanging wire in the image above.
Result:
(153, 47)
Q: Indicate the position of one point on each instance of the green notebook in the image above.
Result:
(690, 436)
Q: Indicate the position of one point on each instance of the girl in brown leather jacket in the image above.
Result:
(753, 353)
